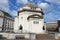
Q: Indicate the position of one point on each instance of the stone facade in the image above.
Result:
(6, 22)
(29, 19)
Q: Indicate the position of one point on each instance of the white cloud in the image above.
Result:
(59, 19)
(13, 13)
(22, 1)
(54, 1)
(4, 5)
(4, 8)
(4, 1)
(45, 6)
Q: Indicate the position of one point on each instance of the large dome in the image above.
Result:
(31, 5)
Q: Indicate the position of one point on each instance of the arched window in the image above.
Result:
(43, 28)
(20, 28)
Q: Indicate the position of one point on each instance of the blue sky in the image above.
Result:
(51, 8)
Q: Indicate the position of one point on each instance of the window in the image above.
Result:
(36, 22)
(33, 8)
(43, 28)
(8, 24)
(20, 27)
(21, 17)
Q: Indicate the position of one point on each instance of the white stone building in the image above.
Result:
(6, 22)
(29, 19)
(1, 21)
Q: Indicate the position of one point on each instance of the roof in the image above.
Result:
(5, 13)
(32, 5)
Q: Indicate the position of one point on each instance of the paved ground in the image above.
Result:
(21, 39)
(13, 39)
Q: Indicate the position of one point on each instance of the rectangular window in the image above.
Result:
(33, 8)
(36, 22)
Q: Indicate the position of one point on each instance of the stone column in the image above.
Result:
(32, 36)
